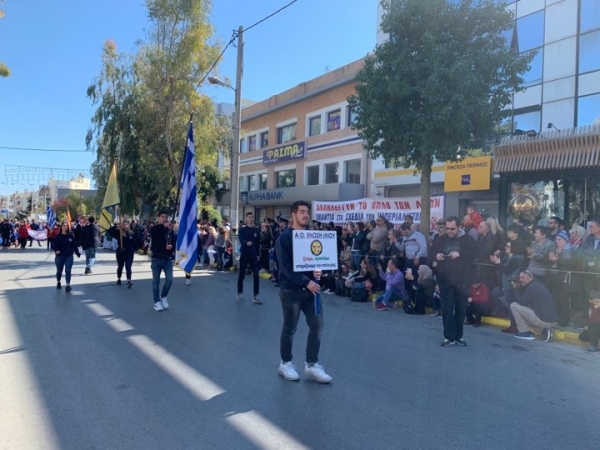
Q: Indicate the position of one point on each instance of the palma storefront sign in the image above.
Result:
(283, 153)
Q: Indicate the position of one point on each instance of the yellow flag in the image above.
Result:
(111, 199)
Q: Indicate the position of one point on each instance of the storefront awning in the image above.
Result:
(577, 148)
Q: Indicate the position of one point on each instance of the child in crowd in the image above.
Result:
(479, 303)
(592, 334)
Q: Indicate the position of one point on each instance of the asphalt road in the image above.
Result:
(100, 369)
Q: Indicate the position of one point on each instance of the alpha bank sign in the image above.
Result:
(284, 153)
(260, 197)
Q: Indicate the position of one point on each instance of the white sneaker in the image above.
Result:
(288, 371)
(188, 281)
(327, 291)
(256, 300)
(240, 297)
(317, 373)
(165, 303)
(158, 306)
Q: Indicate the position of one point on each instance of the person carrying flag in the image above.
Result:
(126, 248)
(163, 252)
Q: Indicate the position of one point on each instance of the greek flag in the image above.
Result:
(187, 237)
(50, 217)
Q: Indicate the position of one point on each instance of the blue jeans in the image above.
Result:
(90, 257)
(356, 259)
(390, 293)
(161, 265)
(66, 263)
(292, 302)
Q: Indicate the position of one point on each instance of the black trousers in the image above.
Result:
(592, 334)
(476, 310)
(124, 259)
(454, 307)
(245, 261)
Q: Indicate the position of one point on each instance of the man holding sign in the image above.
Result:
(299, 292)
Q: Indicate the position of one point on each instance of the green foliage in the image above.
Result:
(60, 207)
(77, 205)
(4, 70)
(144, 102)
(206, 211)
(440, 82)
(29, 207)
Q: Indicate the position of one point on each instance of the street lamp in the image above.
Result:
(237, 125)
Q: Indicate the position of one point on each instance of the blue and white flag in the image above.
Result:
(50, 217)
(187, 236)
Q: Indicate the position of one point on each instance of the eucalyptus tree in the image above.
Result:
(145, 101)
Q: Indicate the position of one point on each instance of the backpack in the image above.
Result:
(407, 305)
(359, 295)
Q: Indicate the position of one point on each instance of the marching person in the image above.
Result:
(298, 292)
(249, 237)
(126, 247)
(64, 246)
(163, 241)
(89, 239)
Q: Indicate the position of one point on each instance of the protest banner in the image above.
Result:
(393, 209)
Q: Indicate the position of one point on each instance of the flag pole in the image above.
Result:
(118, 207)
(182, 168)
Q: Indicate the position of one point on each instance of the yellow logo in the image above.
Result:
(316, 248)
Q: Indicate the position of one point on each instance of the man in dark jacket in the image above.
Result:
(89, 240)
(534, 307)
(163, 241)
(249, 237)
(299, 292)
(453, 259)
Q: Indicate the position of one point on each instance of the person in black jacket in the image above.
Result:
(299, 291)
(454, 259)
(127, 244)
(89, 239)
(64, 246)
(249, 237)
(163, 241)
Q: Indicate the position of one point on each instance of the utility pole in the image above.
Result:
(237, 127)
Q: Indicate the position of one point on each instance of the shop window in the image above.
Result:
(590, 15)
(588, 110)
(528, 121)
(331, 173)
(589, 52)
(536, 202)
(285, 178)
(262, 181)
(251, 185)
(312, 175)
(252, 143)
(530, 31)
(334, 120)
(314, 126)
(353, 171)
(264, 139)
(534, 75)
(286, 134)
(352, 114)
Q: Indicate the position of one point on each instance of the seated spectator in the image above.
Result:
(345, 254)
(423, 289)
(533, 308)
(578, 235)
(394, 285)
(365, 278)
(479, 303)
(592, 334)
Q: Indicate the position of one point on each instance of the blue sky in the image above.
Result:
(53, 50)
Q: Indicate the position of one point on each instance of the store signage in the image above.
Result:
(288, 152)
(394, 210)
(471, 174)
(314, 250)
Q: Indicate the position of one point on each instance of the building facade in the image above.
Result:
(299, 145)
(548, 166)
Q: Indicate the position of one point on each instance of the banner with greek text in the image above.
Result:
(393, 209)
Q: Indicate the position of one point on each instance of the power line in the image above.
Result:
(44, 150)
(270, 15)
(235, 35)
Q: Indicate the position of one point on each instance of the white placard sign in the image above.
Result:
(314, 250)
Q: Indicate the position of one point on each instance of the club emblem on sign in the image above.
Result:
(316, 248)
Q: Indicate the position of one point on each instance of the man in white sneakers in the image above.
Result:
(163, 252)
(298, 293)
